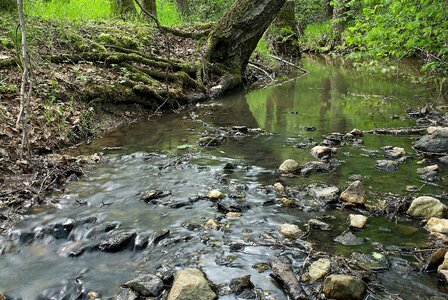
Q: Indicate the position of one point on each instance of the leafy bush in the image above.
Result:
(318, 37)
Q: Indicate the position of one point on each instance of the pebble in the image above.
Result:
(357, 221)
(290, 231)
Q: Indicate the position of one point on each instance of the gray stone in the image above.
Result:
(127, 294)
(435, 142)
(321, 151)
(117, 241)
(344, 287)
(146, 285)
(375, 262)
(315, 167)
(243, 287)
(319, 224)
(324, 193)
(349, 239)
(191, 284)
(286, 275)
(394, 152)
(444, 159)
(354, 193)
(386, 165)
(215, 195)
(426, 207)
(289, 166)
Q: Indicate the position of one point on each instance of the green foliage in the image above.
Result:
(401, 28)
(167, 13)
(318, 37)
(309, 12)
(72, 10)
(7, 5)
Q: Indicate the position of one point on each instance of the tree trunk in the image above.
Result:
(283, 35)
(184, 7)
(237, 33)
(123, 8)
(338, 17)
(328, 9)
(150, 7)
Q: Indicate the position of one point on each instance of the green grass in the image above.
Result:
(85, 10)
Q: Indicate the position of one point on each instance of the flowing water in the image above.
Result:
(52, 249)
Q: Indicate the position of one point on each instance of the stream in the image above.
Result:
(234, 145)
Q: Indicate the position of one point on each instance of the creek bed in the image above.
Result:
(245, 137)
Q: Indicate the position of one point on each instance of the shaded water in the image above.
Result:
(164, 154)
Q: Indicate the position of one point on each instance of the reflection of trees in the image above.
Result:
(279, 100)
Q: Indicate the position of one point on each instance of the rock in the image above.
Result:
(279, 188)
(76, 248)
(214, 195)
(432, 168)
(261, 267)
(319, 269)
(212, 224)
(349, 239)
(386, 165)
(435, 142)
(153, 195)
(288, 202)
(127, 294)
(315, 167)
(321, 151)
(440, 236)
(354, 193)
(394, 152)
(426, 207)
(443, 268)
(375, 262)
(290, 231)
(324, 193)
(117, 241)
(357, 221)
(146, 285)
(286, 275)
(356, 132)
(289, 166)
(191, 284)
(344, 287)
(319, 224)
(436, 259)
(444, 159)
(233, 215)
(437, 225)
(243, 287)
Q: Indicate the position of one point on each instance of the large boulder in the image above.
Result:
(191, 284)
(435, 142)
(354, 194)
(344, 287)
(289, 166)
(426, 207)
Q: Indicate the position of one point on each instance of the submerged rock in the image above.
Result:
(152, 195)
(319, 269)
(435, 142)
(286, 202)
(243, 287)
(286, 275)
(429, 173)
(387, 165)
(426, 207)
(319, 224)
(437, 225)
(289, 166)
(344, 287)
(191, 284)
(290, 231)
(375, 262)
(212, 224)
(146, 285)
(357, 221)
(354, 193)
(117, 241)
(349, 239)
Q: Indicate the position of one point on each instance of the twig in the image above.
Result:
(289, 63)
(262, 70)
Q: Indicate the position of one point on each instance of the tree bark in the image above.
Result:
(123, 8)
(328, 9)
(150, 7)
(338, 20)
(237, 33)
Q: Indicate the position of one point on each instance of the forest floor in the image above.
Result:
(89, 78)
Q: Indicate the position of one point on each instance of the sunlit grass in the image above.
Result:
(84, 10)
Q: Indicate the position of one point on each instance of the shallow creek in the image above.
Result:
(51, 249)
